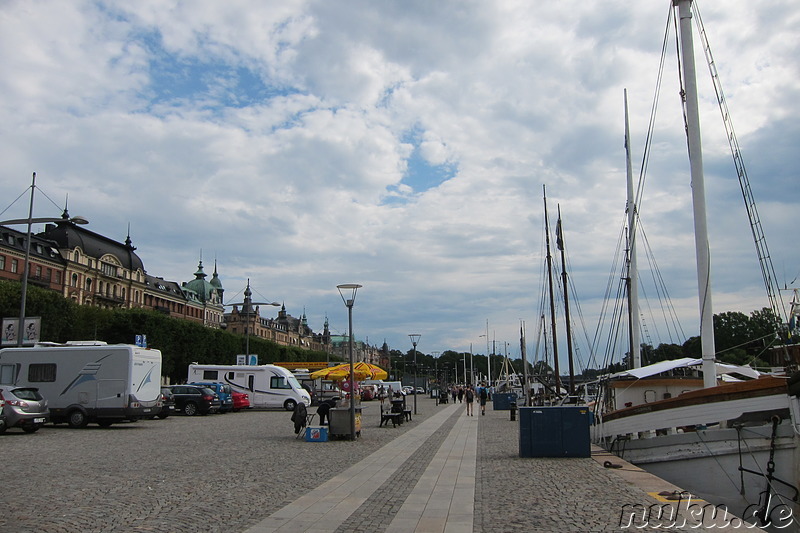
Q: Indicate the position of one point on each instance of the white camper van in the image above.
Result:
(88, 381)
(267, 385)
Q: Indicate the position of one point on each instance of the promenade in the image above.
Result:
(246, 472)
(454, 473)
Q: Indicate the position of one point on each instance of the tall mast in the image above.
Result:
(632, 279)
(698, 193)
(552, 300)
(564, 281)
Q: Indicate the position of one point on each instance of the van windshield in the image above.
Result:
(293, 382)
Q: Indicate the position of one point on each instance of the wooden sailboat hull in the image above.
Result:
(699, 440)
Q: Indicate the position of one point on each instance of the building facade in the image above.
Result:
(91, 269)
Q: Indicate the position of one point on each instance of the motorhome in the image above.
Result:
(88, 381)
(269, 386)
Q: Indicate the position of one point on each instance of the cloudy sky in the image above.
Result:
(403, 146)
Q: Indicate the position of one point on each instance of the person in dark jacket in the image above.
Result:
(324, 408)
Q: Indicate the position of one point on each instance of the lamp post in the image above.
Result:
(436, 369)
(414, 340)
(247, 308)
(348, 293)
(30, 221)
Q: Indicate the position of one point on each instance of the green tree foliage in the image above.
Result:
(181, 341)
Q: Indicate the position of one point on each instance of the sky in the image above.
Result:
(403, 146)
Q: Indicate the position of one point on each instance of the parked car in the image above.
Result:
(24, 408)
(420, 390)
(223, 390)
(3, 423)
(241, 401)
(194, 399)
(167, 403)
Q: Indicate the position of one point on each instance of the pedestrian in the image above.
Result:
(454, 392)
(460, 394)
(469, 396)
(483, 395)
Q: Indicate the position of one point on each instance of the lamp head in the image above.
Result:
(348, 293)
(414, 338)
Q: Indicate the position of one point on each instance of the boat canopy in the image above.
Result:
(684, 362)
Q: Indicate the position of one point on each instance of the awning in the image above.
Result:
(665, 366)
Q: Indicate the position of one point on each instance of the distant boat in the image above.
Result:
(731, 437)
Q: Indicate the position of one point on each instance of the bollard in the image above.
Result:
(513, 406)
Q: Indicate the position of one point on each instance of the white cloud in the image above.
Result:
(275, 137)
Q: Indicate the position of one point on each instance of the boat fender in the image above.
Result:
(609, 464)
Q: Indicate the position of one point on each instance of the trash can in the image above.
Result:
(554, 431)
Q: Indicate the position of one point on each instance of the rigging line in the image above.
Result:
(759, 238)
(714, 456)
(773, 488)
(613, 274)
(653, 112)
(577, 310)
(661, 286)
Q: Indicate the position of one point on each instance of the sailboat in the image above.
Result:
(733, 443)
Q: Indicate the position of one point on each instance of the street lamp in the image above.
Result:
(348, 293)
(414, 340)
(30, 221)
(247, 307)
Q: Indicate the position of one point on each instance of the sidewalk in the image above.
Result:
(453, 473)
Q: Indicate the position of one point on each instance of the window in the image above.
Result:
(58, 276)
(38, 271)
(6, 374)
(108, 270)
(14, 265)
(2, 262)
(210, 375)
(42, 372)
(277, 382)
(74, 280)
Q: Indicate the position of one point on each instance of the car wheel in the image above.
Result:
(162, 416)
(77, 419)
(31, 429)
(104, 423)
(190, 409)
(3, 425)
(289, 405)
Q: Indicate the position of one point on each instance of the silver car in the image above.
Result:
(24, 408)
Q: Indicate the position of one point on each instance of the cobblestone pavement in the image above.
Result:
(229, 472)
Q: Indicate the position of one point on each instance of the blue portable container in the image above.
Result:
(554, 431)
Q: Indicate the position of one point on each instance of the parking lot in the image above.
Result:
(220, 472)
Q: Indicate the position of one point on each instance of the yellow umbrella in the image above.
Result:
(374, 372)
(361, 371)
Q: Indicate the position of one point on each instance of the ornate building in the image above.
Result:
(91, 269)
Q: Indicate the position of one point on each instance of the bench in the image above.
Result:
(394, 418)
(407, 414)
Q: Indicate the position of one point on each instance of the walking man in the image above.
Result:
(483, 395)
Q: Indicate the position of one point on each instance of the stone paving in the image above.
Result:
(232, 472)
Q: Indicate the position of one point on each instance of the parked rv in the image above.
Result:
(268, 386)
(88, 381)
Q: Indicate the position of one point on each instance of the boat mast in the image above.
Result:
(698, 193)
(552, 300)
(524, 353)
(564, 281)
(632, 278)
